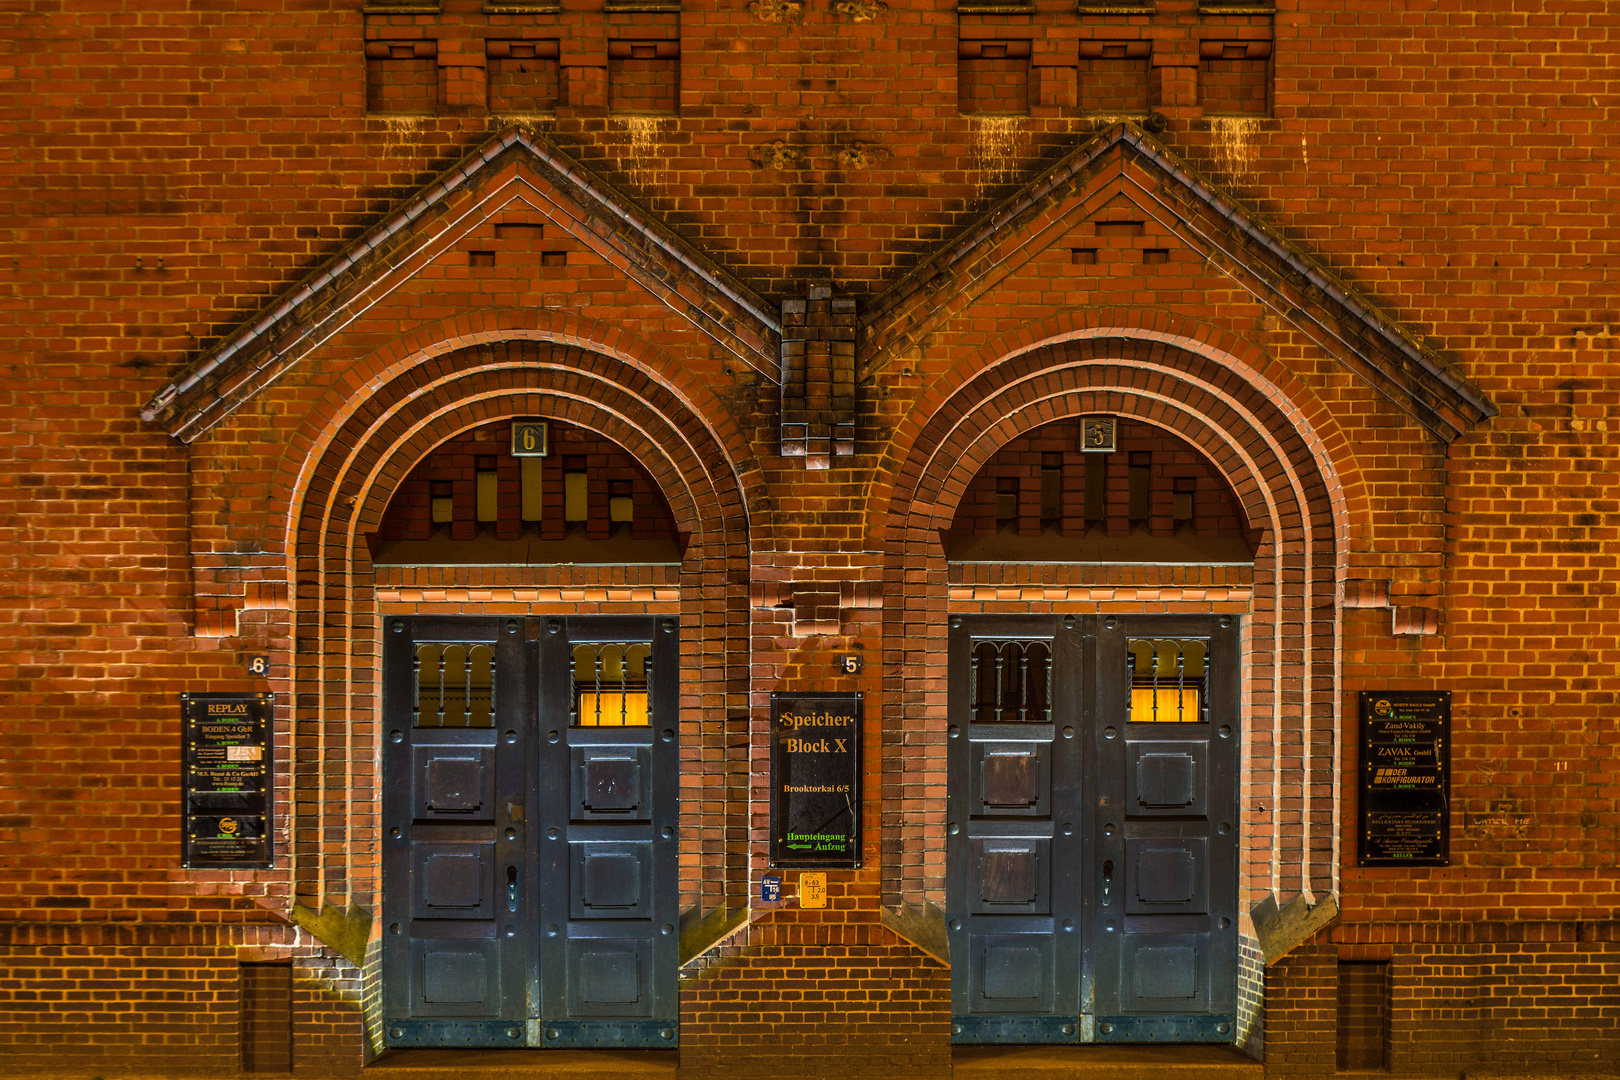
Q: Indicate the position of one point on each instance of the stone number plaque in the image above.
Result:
(1404, 817)
(816, 780)
(226, 782)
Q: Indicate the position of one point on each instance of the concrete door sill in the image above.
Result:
(1103, 1063)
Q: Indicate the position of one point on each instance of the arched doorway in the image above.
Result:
(1284, 610)
(356, 582)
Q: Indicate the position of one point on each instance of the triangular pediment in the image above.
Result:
(516, 177)
(1126, 169)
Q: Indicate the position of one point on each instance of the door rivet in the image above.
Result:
(956, 1029)
(552, 931)
(1110, 733)
(668, 626)
(511, 737)
(396, 736)
(510, 930)
(1068, 828)
(669, 735)
(668, 832)
(956, 624)
(1225, 731)
(952, 828)
(1110, 622)
(1226, 620)
(1108, 829)
(1068, 732)
(551, 1033)
(1225, 922)
(511, 834)
(552, 627)
(511, 626)
(552, 833)
(394, 833)
(1068, 1029)
(1068, 924)
(397, 627)
(956, 924)
(513, 1033)
(393, 928)
(1223, 1028)
(396, 1033)
(1068, 624)
(1106, 1029)
(551, 736)
(666, 929)
(956, 732)
(667, 1033)
(1225, 827)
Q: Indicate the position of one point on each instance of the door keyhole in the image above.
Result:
(1107, 880)
(511, 888)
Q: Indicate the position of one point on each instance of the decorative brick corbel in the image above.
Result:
(1367, 593)
(818, 378)
(1414, 621)
(221, 616)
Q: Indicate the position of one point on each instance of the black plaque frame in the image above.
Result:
(227, 781)
(1403, 814)
(834, 720)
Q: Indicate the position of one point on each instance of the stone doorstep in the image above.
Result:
(521, 1064)
(1103, 1063)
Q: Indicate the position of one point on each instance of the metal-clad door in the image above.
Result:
(456, 901)
(607, 776)
(1014, 859)
(1165, 850)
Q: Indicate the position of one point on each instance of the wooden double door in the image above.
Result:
(1092, 826)
(529, 831)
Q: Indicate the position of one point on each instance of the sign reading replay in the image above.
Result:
(815, 780)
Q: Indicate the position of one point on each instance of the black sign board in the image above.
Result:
(1404, 818)
(226, 789)
(815, 780)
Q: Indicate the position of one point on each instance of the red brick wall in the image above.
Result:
(172, 175)
(810, 993)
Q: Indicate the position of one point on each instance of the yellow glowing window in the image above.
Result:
(627, 709)
(1167, 680)
(1166, 705)
(610, 684)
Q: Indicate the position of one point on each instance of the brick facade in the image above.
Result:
(824, 291)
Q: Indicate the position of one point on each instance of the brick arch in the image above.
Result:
(640, 367)
(1239, 356)
(364, 457)
(1267, 454)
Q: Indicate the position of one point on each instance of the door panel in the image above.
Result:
(609, 950)
(530, 846)
(1165, 837)
(455, 963)
(1013, 856)
(1092, 829)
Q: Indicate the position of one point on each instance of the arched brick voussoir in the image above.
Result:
(1133, 329)
(644, 366)
(392, 432)
(699, 508)
(409, 368)
(1116, 373)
